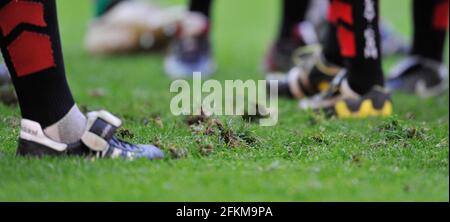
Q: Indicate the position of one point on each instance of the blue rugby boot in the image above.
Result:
(98, 141)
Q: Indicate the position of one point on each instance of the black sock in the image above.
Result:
(201, 6)
(359, 40)
(294, 12)
(31, 48)
(331, 50)
(430, 28)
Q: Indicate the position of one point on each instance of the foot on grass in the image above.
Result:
(420, 76)
(342, 102)
(98, 141)
(312, 75)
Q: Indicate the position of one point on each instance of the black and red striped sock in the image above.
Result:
(31, 48)
(359, 41)
(430, 28)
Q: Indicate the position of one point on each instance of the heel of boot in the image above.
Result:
(29, 148)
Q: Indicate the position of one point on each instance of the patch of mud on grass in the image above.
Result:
(177, 153)
(394, 129)
(125, 134)
(231, 136)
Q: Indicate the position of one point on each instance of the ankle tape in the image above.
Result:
(100, 129)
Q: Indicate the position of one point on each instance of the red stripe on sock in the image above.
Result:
(30, 53)
(440, 21)
(18, 12)
(345, 12)
(347, 42)
(332, 12)
(340, 11)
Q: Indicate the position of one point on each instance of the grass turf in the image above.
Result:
(303, 158)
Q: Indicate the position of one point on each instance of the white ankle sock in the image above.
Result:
(69, 129)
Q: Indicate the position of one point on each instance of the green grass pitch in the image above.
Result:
(303, 158)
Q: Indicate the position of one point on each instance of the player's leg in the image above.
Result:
(52, 124)
(192, 50)
(201, 6)
(423, 72)
(392, 42)
(315, 66)
(101, 7)
(430, 28)
(293, 34)
(358, 90)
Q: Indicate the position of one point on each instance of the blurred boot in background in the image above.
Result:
(126, 26)
(191, 51)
